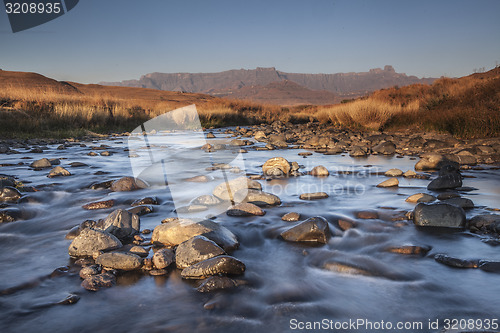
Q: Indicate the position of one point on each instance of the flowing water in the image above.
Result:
(285, 283)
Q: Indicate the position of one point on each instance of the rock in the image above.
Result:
(276, 166)
(88, 271)
(90, 240)
(101, 185)
(448, 195)
(420, 197)
(384, 148)
(449, 177)
(120, 223)
(215, 283)
(410, 174)
(460, 202)
(163, 258)
(77, 164)
(291, 217)
(141, 210)
(145, 201)
(206, 200)
(305, 153)
(410, 249)
(245, 209)
(9, 214)
(69, 300)
(320, 171)
(139, 251)
(58, 171)
(196, 249)
(490, 266)
(214, 266)
(431, 161)
(179, 230)
(191, 209)
(358, 151)
(455, 262)
(9, 194)
(439, 215)
(393, 173)
(118, 260)
(313, 196)
(367, 214)
(260, 136)
(210, 135)
(392, 182)
(127, 184)
(235, 185)
(96, 282)
(346, 224)
(257, 197)
(99, 205)
(41, 164)
(463, 158)
(485, 223)
(314, 229)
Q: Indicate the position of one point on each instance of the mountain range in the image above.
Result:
(268, 85)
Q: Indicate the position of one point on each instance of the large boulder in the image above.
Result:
(449, 177)
(431, 161)
(214, 266)
(177, 231)
(196, 249)
(118, 260)
(120, 223)
(276, 166)
(127, 184)
(41, 164)
(439, 215)
(314, 229)
(485, 223)
(10, 194)
(90, 240)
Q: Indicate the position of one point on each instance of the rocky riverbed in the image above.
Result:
(298, 222)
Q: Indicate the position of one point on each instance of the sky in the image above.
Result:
(114, 40)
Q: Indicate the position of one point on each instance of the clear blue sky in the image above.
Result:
(111, 40)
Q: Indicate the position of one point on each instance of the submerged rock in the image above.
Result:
(145, 201)
(214, 266)
(313, 196)
(245, 209)
(127, 184)
(256, 197)
(455, 262)
(314, 229)
(439, 215)
(276, 166)
(90, 240)
(410, 249)
(196, 249)
(215, 283)
(118, 260)
(58, 171)
(96, 282)
(460, 202)
(120, 223)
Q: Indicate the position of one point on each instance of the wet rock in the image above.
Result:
(196, 249)
(256, 197)
(9, 215)
(260, 136)
(448, 195)
(291, 217)
(305, 153)
(238, 142)
(145, 201)
(210, 135)
(77, 164)
(460, 202)
(141, 210)
(314, 229)
(191, 209)
(235, 185)
(245, 209)
(320, 171)
(75, 231)
(90, 240)
(118, 260)
(455, 262)
(393, 173)
(139, 251)
(101, 185)
(88, 271)
(179, 230)
(367, 214)
(313, 196)
(463, 158)
(410, 249)
(215, 283)
(358, 151)
(69, 300)
(163, 258)
(346, 224)
(490, 266)
(384, 148)
(96, 282)
(485, 223)
(9, 194)
(410, 174)
(449, 177)
(214, 266)
(420, 197)
(392, 182)
(120, 223)
(158, 272)
(431, 161)
(58, 171)
(127, 184)
(99, 205)
(276, 166)
(106, 153)
(206, 200)
(41, 164)
(439, 215)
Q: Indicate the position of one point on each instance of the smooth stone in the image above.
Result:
(257, 197)
(384, 148)
(191, 209)
(392, 182)
(96, 282)
(276, 166)
(118, 260)
(346, 224)
(235, 185)
(431, 161)
(145, 201)
(485, 222)
(320, 171)
(90, 240)
(41, 164)
(77, 164)
(291, 217)
(176, 231)
(120, 223)
(245, 209)
(88, 271)
(460, 202)
(215, 283)
(393, 173)
(420, 197)
(358, 151)
(141, 210)
(455, 262)
(75, 231)
(200, 179)
(58, 171)
(163, 258)
(139, 251)
(127, 184)
(214, 266)
(489, 266)
(196, 249)
(313, 196)
(314, 229)
(448, 195)
(448, 181)
(101, 185)
(9, 194)
(410, 174)
(305, 153)
(439, 215)
(410, 249)
(367, 215)
(206, 200)
(99, 205)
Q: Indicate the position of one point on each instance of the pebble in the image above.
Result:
(291, 217)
